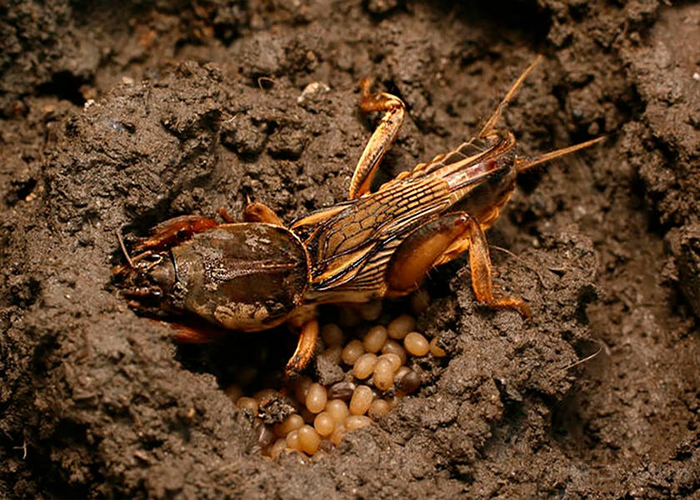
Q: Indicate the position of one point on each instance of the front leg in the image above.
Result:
(174, 231)
(382, 137)
(196, 333)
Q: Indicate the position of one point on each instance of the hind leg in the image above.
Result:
(441, 241)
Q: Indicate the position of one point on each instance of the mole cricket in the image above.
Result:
(255, 275)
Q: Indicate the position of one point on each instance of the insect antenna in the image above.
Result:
(491, 123)
(523, 164)
(126, 254)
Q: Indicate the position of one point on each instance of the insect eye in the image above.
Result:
(148, 261)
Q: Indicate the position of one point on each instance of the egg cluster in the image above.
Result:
(374, 352)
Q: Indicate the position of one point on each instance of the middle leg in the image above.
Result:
(259, 212)
(305, 349)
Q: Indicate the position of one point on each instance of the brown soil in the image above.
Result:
(116, 118)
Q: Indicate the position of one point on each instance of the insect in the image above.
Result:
(257, 274)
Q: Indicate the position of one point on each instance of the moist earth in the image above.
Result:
(114, 119)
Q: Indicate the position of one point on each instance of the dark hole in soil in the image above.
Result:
(21, 191)
(64, 85)
(529, 181)
(522, 15)
(253, 361)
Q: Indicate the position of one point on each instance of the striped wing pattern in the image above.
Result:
(351, 250)
(466, 152)
(351, 247)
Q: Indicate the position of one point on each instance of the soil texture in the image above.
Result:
(115, 117)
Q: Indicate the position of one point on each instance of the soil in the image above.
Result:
(117, 118)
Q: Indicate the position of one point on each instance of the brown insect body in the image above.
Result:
(253, 276)
(258, 274)
(241, 276)
(351, 248)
